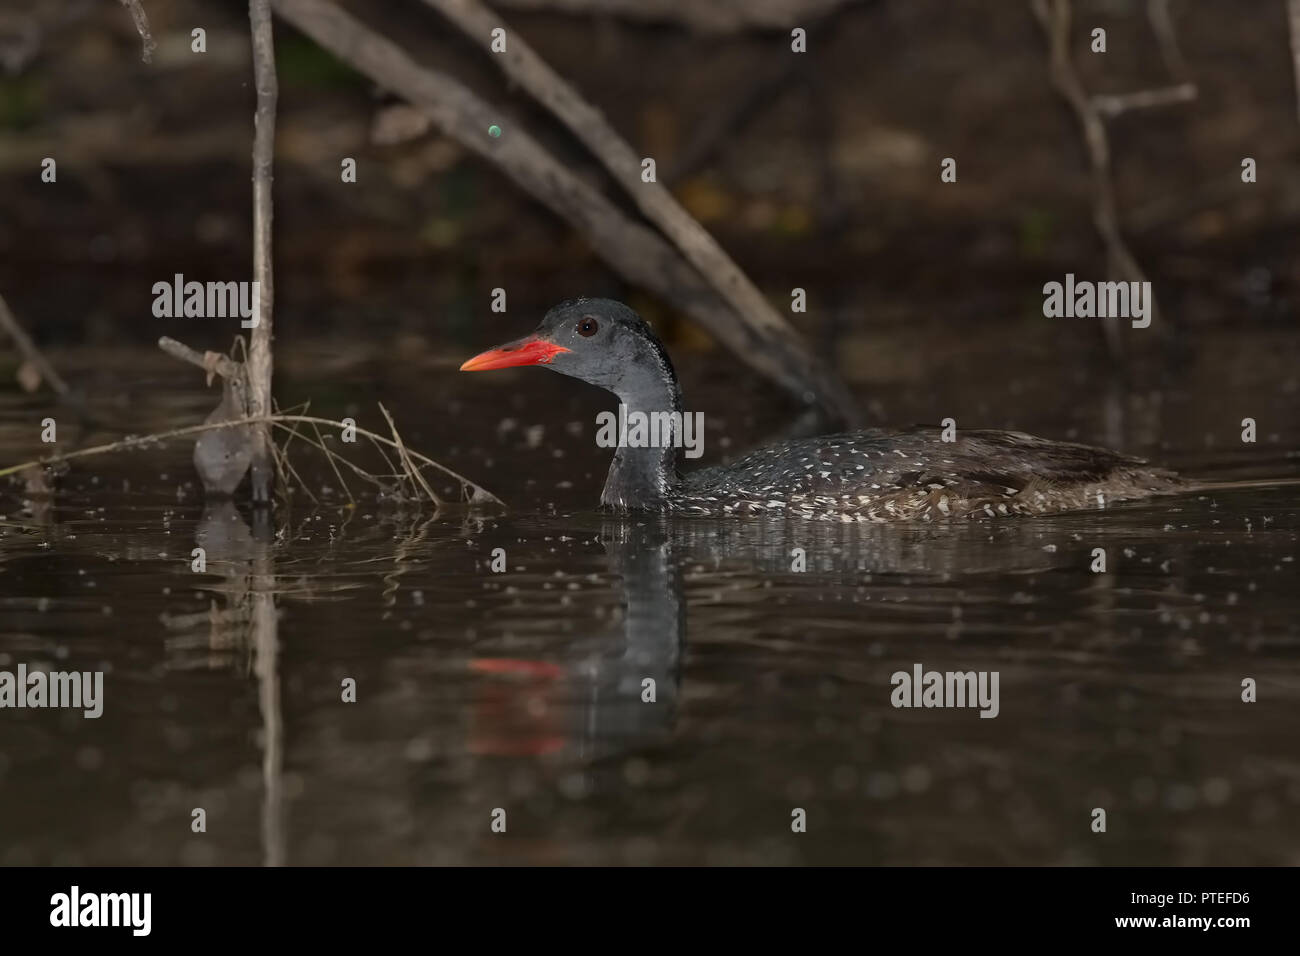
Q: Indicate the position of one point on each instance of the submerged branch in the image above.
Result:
(474, 493)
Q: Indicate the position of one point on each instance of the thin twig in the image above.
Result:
(281, 469)
(329, 456)
(320, 446)
(406, 458)
(282, 459)
(283, 456)
(293, 433)
(284, 465)
(29, 350)
(147, 46)
(388, 461)
(210, 362)
(1113, 105)
(480, 494)
(1162, 24)
(214, 362)
(1054, 16)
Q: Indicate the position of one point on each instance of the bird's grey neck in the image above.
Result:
(642, 477)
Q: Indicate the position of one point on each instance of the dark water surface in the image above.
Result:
(522, 690)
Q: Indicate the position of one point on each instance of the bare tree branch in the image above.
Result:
(1112, 105)
(259, 355)
(147, 46)
(1162, 25)
(1054, 16)
(522, 64)
(471, 492)
(210, 362)
(637, 252)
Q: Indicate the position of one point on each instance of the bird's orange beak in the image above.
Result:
(526, 351)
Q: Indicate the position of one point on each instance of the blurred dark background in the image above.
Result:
(819, 171)
(480, 690)
(827, 177)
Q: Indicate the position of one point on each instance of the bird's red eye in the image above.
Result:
(587, 326)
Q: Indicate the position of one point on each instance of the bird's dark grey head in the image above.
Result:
(600, 341)
(607, 344)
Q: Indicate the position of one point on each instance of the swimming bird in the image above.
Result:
(871, 475)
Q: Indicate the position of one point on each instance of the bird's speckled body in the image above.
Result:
(870, 475)
(888, 476)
